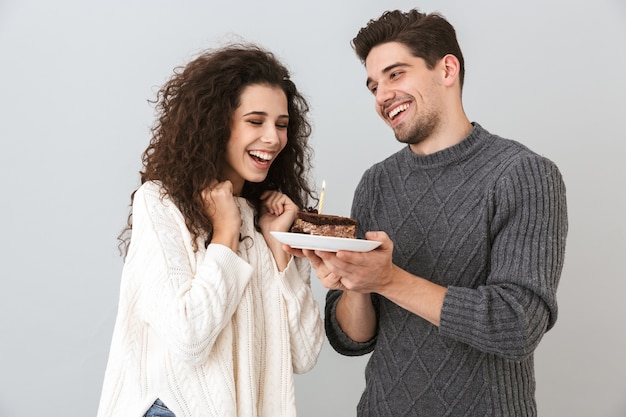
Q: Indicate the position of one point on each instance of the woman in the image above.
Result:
(214, 317)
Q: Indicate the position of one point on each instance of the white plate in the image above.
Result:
(325, 243)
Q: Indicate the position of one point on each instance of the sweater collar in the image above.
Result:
(472, 143)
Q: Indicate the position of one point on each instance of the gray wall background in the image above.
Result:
(75, 77)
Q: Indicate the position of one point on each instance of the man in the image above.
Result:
(473, 227)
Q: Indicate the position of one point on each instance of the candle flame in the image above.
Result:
(321, 203)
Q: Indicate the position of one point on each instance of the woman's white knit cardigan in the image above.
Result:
(209, 332)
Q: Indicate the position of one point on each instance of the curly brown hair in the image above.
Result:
(189, 137)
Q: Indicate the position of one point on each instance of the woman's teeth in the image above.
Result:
(393, 113)
(261, 156)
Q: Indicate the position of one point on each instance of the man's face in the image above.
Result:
(407, 93)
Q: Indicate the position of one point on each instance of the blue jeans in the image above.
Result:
(159, 409)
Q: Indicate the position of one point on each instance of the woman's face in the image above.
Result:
(258, 134)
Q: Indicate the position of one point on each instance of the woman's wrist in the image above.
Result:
(226, 239)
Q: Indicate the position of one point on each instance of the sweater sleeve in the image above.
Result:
(509, 315)
(187, 303)
(340, 341)
(303, 315)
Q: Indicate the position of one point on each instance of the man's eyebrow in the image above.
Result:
(387, 70)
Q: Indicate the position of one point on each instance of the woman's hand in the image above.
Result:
(220, 206)
(278, 213)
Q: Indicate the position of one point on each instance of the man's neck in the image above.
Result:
(449, 134)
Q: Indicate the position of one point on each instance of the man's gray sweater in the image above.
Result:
(487, 219)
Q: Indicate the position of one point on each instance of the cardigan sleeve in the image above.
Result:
(510, 313)
(187, 302)
(303, 315)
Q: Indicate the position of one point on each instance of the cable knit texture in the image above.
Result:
(211, 333)
(487, 219)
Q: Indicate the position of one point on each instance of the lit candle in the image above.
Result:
(321, 203)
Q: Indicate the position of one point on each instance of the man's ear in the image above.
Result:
(451, 68)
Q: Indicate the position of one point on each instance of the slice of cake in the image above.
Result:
(312, 223)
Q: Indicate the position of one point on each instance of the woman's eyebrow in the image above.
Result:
(262, 113)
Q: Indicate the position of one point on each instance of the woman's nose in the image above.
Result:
(270, 135)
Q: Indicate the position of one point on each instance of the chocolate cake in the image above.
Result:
(312, 223)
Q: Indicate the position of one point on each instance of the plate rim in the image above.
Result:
(370, 245)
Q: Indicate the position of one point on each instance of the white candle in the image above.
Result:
(321, 203)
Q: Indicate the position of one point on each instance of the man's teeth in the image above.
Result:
(261, 155)
(393, 113)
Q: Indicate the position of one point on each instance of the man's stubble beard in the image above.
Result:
(419, 129)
